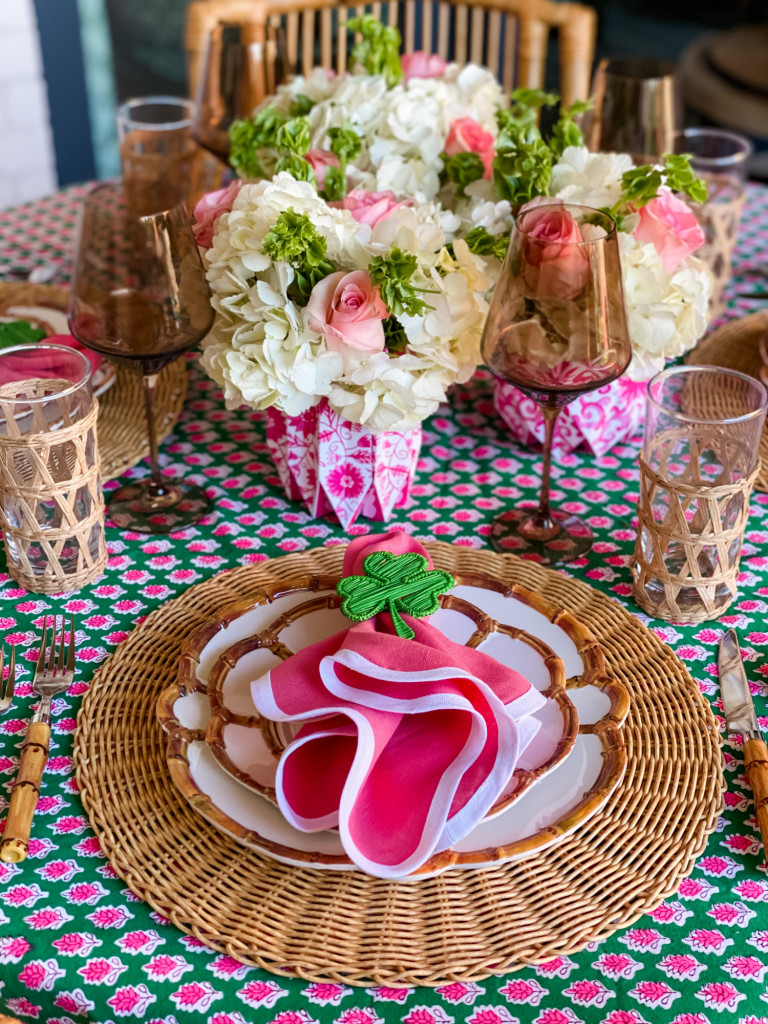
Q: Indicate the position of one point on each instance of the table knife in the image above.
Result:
(740, 718)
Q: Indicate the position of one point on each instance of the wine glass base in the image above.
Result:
(516, 531)
(139, 507)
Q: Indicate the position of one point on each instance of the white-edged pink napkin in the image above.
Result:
(405, 745)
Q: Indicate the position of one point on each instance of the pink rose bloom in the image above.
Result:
(347, 310)
(209, 208)
(466, 136)
(371, 207)
(671, 226)
(320, 161)
(555, 264)
(422, 65)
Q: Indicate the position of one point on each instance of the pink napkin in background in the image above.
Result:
(405, 745)
(13, 366)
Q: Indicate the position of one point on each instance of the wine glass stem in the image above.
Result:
(543, 517)
(156, 480)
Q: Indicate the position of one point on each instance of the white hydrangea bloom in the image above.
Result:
(403, 130)
(592, 179)
(262, 349)
(666, 313)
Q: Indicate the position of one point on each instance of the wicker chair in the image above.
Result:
(508, 36)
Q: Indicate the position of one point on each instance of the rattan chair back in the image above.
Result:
(511, 37)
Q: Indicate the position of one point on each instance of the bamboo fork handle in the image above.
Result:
(756, 764)
(25, 793)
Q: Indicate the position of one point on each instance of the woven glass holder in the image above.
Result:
(693, 526)
(697, 469)
(51, 502)
(719, 217)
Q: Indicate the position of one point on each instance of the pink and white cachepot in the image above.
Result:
(333, 465)
(597, 420)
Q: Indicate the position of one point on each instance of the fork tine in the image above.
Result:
(2, 666)
(71, 657)
(11, 676)
(60, 666)
(52, 655)
(40, 667)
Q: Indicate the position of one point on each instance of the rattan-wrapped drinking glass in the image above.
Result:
(51, 503)
(699, 462)
(720, 158)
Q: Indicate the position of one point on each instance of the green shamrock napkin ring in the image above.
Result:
(397, 583)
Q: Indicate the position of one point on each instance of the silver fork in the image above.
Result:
(6, 687)
(48, 681)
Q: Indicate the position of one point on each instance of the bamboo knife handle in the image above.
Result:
(26, 792)
(756, 764)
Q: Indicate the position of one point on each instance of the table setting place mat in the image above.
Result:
(122, 430)
(463, 924)
(736, 346)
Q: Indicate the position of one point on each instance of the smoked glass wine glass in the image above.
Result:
(556, 329)
(140, 298)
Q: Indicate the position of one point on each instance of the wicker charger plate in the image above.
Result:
(736, 346)
(355, 929)
(122, 429)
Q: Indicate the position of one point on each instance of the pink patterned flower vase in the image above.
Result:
(596, 421)
(333, 465)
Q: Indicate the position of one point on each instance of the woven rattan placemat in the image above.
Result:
(355, 929)
(736, 346)
(122, 428)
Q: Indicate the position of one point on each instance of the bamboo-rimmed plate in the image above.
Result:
(230, 733)
(225, 653)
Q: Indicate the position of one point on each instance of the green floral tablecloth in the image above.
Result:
(77, 946)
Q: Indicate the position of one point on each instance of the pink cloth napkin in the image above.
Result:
(403, 744)
(13, 365)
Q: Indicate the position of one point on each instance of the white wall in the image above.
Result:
(27, 161)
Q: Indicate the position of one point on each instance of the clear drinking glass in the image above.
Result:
(716, 153)
(556, 329)
(51, 503)
(139, 297)
(157, 152)
(700, 457)
(637, 108)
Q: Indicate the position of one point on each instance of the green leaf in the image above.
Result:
(345, 143)
(482, 243)
(378, 51)
(297, 167)
(293, 239)
(392, 276)
(522, 172)
(639, 186)
(566, 132)
(248, 136)
(301, 105)
(294, 137)
(395, 339)
(682, 178)
(334, 184)
(19, 332)
(519, 122)
(462, 169)
(397, 583)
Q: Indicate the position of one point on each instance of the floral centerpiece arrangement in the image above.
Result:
(416, 128)
(348, 322)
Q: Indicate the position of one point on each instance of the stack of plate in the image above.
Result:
(223, 759)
